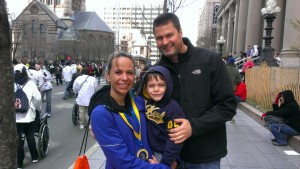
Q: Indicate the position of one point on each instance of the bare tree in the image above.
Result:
(8, 133)
(16, 38)
(173, 5)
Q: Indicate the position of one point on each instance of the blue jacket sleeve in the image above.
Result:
(172, 150)
(112, 143)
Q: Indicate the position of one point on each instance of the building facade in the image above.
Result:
(60, 29)
(241, 24)
(138, 17)
(207, 26)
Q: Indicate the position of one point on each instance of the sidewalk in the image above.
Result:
(249, 146)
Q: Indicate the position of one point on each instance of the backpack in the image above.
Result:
(21, 100)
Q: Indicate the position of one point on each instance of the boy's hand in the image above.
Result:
(174, 165)
(182, 132)
(153, 160)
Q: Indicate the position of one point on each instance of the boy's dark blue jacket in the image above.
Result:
(161, 117)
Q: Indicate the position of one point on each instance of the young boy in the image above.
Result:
(161, 111)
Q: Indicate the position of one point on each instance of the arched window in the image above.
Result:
(25, 29)
(42, 28)
(33, 26)
(216, 8)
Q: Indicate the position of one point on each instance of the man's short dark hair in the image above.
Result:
(165, 18)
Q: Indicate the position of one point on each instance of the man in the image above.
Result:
(233, 73)
(67, 75)
(201, 88)
(85, 86)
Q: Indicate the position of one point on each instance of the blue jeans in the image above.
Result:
(48, 100)
(280, 130)
(238, 99)
(66, 91)
(210, 165)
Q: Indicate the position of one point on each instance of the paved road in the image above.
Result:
(65, 138)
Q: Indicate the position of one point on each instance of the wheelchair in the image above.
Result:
(41, 131)
(75, 114)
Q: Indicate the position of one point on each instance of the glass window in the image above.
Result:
(25, 29)
(216, 8)
(33, 26)
(42, 28)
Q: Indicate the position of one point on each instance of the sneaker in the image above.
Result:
(64, 98)
(274, 140)
(48, 115)
(277, 144)
(35, 161)
(81, 126)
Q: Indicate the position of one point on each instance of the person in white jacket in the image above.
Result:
(84, 86)
(33, 74)
(25, 121)
(67, 75)
(45, 87)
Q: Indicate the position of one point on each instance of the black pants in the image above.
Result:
(58, 79)
(26, 130)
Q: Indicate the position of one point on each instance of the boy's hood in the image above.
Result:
(166, 74)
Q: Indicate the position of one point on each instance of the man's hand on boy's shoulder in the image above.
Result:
(182, 132)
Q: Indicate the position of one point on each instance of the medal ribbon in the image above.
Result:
(136, 128)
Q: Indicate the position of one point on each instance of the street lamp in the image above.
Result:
(269, 13)
(221, 42)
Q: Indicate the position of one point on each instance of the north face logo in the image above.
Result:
(196, 72)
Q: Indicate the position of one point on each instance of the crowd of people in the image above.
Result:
(35, 78)
(170, 115)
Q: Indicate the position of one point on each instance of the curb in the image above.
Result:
(255, 114)
(89, 153)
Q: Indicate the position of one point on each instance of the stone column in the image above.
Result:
(290, 57)
(242, 22)
(278, 26)
(236, 25)
(254, 21)
(229, 31)
(223, 24)
(219, 28)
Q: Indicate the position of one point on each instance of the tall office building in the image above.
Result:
(207, 26)
(134, 17)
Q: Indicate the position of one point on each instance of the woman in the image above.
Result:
(287, 108)
(25, 121)
(118, 120)
(45, 87)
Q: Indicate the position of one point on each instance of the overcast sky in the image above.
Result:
(189, 15)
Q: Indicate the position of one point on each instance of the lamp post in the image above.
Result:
(221, 42)
(269, 13)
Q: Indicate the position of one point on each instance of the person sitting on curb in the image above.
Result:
(287, 108)
(241, 92)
